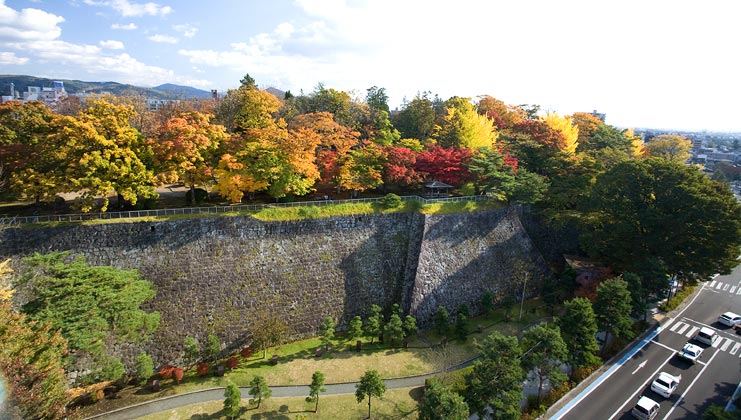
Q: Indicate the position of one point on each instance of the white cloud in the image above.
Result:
(128, 27)
(188, 31)
(9, 58)
(163, 38)
(112, 45)
(28, 24)
(130, 9)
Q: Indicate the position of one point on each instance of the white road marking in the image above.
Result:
(725, 345)
(719, 285)
(691, 332)
(681, 397)
(733, 289)
(683, 329)
(716, 343)
(641, 388)
(735, 348)
(712, 283)
(738, 292)
(725, 287)
(676, 324)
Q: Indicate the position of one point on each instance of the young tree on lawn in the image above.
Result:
(326, 331)
(543, 351)
(439, 402)
(612, 309)
(259, 389)
(355, 328)
(232, 400)
(144, 366)
(393, 332)
(191, 351)
(441, 319)
(268, 330)
(371, 385)
(496, 379)
(578, 329)
(374, 324)
(410, 326)
(461, 327)
(316, 386)
(213, 347)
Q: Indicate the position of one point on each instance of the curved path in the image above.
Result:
(217, 394)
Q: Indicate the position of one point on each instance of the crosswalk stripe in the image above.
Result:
(726, 287)
(683, 329)
(717, 342)
(712, 283)
(738, 292)
(718, 286)
(675, 326)
(725, 345)
(691, 332)
(735, 348)
(733, 289)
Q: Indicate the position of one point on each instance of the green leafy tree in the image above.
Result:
(31, 361)
(612, 309)
(213, 347)
(638, 215)
(144, 366)
(326, 331)
(461, 327)
(543, 351)
(718, 412)
(439, 402)
(191, 351)
(441, 320)
(374, 324)
(490, 171)
(416, 119)
(93, 307)
(355, 328)
(495, 383)
(578, 326)
(393, 331)
(268, 330)
(410, 326)
(232, 401)
(316, 386)
(487, 302)
(370, 385)
(259, 389)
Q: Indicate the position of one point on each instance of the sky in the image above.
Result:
(650, 64)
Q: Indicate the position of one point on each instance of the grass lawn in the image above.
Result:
(297, 361)
(395, 404)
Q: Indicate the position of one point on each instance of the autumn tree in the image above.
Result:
(362, 169)
(268, 329)
(445, 165)
(370, 385)
(669, 147)
(94, 307)
(31, 362)
(108, 155)
(399, 167)
(504, 116)
(463, 127)
(185, 147)
(568, 130)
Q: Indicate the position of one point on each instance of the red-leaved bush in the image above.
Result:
(165, 371)
(231, 362)
(178, 373)
(202, 369)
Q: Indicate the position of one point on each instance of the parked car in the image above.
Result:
(706, 336)
(690, 352)
(645, 409)
(665, 384)
(730, 319)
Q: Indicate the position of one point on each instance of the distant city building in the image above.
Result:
(49, 95)
(598, 115)
(156, 104)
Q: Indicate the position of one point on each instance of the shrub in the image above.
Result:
(390, 201)
(681, 295)
(231, 362)
(246, 352)
(165, 372)
(178, 374)
(144, 366)
(202, 369)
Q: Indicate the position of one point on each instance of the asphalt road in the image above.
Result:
(713, 380)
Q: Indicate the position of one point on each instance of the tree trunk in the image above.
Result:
(604, 345)
(369, 402)
(316, 407)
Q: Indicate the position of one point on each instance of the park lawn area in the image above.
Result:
(297, 360)
(395, 404)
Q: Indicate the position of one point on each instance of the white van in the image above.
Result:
(706, 336)
(645, 409)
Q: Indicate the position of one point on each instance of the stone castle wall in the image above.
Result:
(211, 274)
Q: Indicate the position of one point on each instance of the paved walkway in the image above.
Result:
(217, 394)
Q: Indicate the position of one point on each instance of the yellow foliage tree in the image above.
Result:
(638, 147)
(566, 127)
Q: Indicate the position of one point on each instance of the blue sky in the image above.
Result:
(658, 63)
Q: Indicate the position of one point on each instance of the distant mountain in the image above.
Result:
(166, 91)
(183, 91)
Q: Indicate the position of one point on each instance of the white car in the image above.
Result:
(690, 352)
(665, 384)
(706, 336)
(645, 409)
(730, 319)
